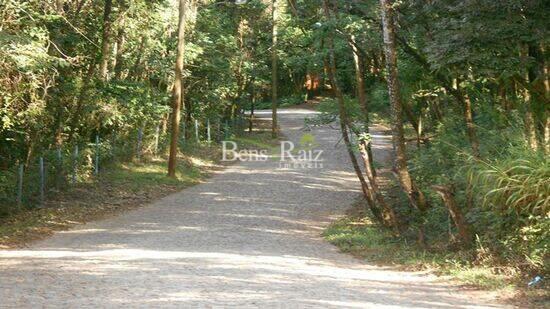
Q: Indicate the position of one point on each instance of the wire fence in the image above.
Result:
(29, 184)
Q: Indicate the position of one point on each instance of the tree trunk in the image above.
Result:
(120, 42)
(447, 194)
(105, 45)
(177, 92)
(75, 117)
(539, 94)
(331, 72)
(415, 196)
(361, 96)
(135, 71)
(529, 122)
(365, 148)
(470, 126)
(274, 76)
(388, 215)
(528, 119)
(415, 123)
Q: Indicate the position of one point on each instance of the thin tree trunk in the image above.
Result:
(388, 215)
(415, 123)
(528, 119)
(121, 42)
(416, 198)
(447, 194)
(365, 148)
(105, 45)
(274, 75)
(529, 122)
(135, 71)
(361, 96)
(75, 118)
(177, 92)
(539, 94)
(331, 72)
(470, 126)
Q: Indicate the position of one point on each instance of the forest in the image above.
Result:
(464, 87)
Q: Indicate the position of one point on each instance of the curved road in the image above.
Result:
(249, 237)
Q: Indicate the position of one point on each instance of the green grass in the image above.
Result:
(256, 140)
(135, 175)
(366, 240)
(120, 187)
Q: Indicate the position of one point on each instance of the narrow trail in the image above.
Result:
(249, 237)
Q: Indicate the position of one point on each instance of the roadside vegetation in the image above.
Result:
(122, 186)
(359, 235)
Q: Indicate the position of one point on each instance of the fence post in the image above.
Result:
(96, 166)
(75, 163)
(42, 179)
(197, 130)
(140, 137)
(208, 131)
(157, 134)
(20, 185)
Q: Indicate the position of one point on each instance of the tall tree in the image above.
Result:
(416, 198)
(177, 92)
(330, 66)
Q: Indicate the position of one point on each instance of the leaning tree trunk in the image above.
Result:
(415, 196)
(331, 72)
(365, 149)
(361, 95)
(447, 194)
(388, 214)
(177, 92)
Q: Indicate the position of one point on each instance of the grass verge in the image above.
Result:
(356, 234)
(120, 187)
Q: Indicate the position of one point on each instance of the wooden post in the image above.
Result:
(20, 185)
